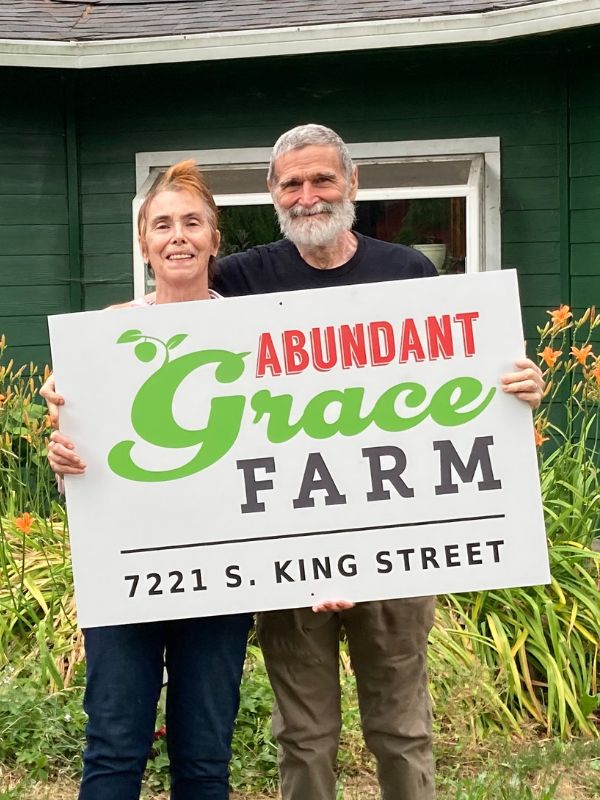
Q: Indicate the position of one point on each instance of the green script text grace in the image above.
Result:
(152, 413)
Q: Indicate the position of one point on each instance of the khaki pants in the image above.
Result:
(388, 642)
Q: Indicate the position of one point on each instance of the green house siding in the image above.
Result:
(34, 241)
(585, 185)
(368, 96)
(535, 95)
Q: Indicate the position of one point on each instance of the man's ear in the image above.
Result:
(353, 189)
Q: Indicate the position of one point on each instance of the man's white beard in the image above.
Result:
(304, 229)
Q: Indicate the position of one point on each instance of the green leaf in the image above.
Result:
(588, 704)
(132, 335)
(176, 340)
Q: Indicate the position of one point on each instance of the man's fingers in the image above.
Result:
(332, 605)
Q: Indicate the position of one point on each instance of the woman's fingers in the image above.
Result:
(62, 456)
(52, 398)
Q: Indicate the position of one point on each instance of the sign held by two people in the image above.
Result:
(274, 451)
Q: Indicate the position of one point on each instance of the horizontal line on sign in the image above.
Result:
(314, 533)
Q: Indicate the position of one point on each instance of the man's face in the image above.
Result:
(312, 196)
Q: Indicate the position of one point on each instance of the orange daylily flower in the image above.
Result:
(24, 523)
(595, 373)
(560, 316)
(2, 398)
(550, 356)
(582, 354)
(537, 432)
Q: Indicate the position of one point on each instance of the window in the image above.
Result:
(441, 196)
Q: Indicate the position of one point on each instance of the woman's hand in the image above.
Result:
(332, 605)
(62, 457)
(527, 384)
(52, 398)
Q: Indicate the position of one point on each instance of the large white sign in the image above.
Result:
(269, 452)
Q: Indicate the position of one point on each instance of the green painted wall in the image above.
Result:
(381, 95)
(34, 262)
(535, 95)
(584, 198)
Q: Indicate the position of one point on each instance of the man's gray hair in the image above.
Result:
(305, 135)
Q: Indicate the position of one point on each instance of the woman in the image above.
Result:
(178, 236)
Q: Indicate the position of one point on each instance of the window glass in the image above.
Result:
(436, 226)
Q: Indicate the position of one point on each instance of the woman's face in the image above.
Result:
(179, 238)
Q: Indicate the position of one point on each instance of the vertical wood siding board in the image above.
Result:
(70, 83)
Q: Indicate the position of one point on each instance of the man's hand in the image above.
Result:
(527, 384)
(53, 400)
(62, 457)
(332, 605)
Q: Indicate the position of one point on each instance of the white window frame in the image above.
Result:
(482, 190)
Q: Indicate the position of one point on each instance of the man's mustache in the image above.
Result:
(318, 208)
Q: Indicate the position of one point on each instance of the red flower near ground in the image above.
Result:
(160, 733)
(24, 523)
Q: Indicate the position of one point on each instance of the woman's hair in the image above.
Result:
(185, 176)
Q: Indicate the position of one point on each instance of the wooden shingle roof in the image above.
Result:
(94, 20)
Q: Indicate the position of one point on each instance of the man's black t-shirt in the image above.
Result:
(278, 267)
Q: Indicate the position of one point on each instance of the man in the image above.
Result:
(313, 183)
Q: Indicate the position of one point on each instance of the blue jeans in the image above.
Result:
(204, 659)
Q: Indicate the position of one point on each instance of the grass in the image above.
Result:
(535, 770)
